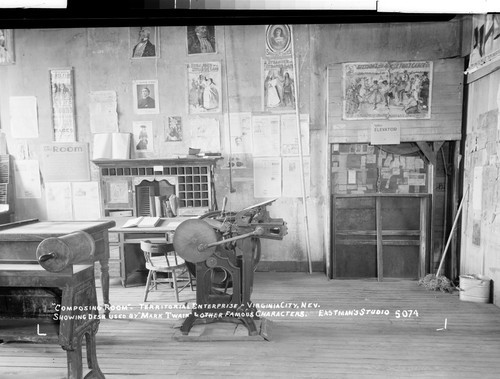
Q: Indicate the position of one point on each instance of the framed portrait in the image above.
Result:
(278, 40)
(201, 39)
(204, 87)
(7, 46)
(145, 94)
(144, 42)
(143, 136)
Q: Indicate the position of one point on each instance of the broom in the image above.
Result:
(440, 282)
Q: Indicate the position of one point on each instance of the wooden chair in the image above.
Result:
(161, 257)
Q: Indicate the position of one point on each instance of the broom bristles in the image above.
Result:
(437, 283)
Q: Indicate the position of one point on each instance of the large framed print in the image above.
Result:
(278, 81)
(387, 90)
(63, 104)
(204, 87)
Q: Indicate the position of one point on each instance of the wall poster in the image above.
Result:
(143, 136)
(278, 81)
(485, 42)
(173, 129)
(63, 100)
(390, 90)
(204, 87)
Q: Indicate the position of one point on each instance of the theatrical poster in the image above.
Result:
(204, 87)
(390, 90)
(63, 99)
(278, 81)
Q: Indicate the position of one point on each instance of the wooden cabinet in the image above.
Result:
(127, 185)
(380, 236)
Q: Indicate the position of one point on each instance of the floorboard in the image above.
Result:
(338, 329)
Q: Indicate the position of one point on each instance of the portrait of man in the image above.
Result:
(145, 100)
(201, 39)
(145, 94)
(144, 42)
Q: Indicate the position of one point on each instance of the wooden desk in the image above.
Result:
(19, 241)
(69, 315)
(132, 268)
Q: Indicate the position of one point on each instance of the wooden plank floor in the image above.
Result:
(320, 344)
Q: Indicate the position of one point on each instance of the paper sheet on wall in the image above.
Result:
(205, 134)
(65, 162)
(289, 137)
(103, 115)
(267, 177)
(72, 201)
(86, 201)
(477, 189)
(239, 130)
(27, 176)
(111, 146)
(292, 185)
(58, 201)
(266, 135)
(23, 117)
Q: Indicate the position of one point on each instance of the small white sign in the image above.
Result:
(385, 134)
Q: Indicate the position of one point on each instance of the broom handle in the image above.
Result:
(451, 232)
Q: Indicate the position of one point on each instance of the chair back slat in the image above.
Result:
(156, 249)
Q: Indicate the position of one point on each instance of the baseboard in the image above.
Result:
(289, 266)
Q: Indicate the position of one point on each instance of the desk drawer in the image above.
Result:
(114, 237)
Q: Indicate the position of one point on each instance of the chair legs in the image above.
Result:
(148, 284)
(176, 288)
(152, 282)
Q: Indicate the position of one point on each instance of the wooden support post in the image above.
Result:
(380, 248)
(422, 253)
(301, 156)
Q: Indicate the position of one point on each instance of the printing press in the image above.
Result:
(223, 250)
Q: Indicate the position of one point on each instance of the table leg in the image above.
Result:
(105, 285)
